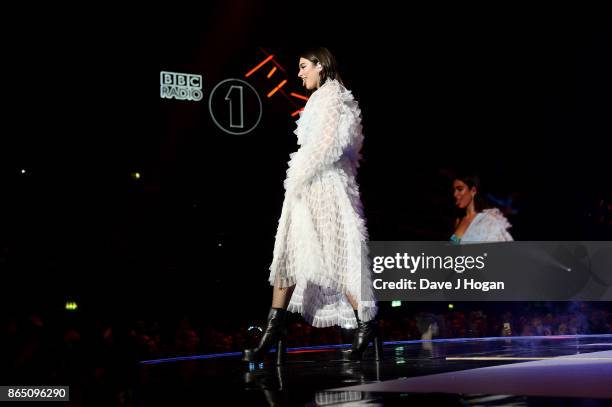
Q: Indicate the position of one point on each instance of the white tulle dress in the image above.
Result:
(321, 241)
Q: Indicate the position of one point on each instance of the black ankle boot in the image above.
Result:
(365, 333)
(275, 334)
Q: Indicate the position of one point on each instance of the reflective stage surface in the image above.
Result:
(551, 370)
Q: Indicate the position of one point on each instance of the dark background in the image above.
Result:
(520, 96)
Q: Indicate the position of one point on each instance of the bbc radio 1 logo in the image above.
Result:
(180, 86)
(234, 105)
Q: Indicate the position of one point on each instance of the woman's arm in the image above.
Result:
(323, 146)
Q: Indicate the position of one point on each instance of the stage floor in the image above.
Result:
(550, 370)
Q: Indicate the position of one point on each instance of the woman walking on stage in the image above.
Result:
(320, 253)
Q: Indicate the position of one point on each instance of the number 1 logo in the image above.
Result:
(235, 106)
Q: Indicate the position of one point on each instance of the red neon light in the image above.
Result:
(262, 63)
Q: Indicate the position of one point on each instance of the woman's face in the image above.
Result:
(463, 194)
(309, 73)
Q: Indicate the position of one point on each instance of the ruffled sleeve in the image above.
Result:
(490, 225)
(497, 226)
(322, 146)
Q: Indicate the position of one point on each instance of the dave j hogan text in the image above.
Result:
(425, 284)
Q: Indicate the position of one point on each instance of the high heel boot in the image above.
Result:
(365, 333)
(274, 335)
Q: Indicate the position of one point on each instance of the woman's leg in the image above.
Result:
(276, 330)
(352, 301)
(281, 296)
(365, 333)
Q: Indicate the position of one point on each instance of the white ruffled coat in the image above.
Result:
(488, 226)
(321, 241)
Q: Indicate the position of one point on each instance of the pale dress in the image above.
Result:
(321, 241)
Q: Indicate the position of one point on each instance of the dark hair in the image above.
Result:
(327, 60)
(473, 181)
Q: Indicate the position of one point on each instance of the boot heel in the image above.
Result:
(281, 352)
(378, 349)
